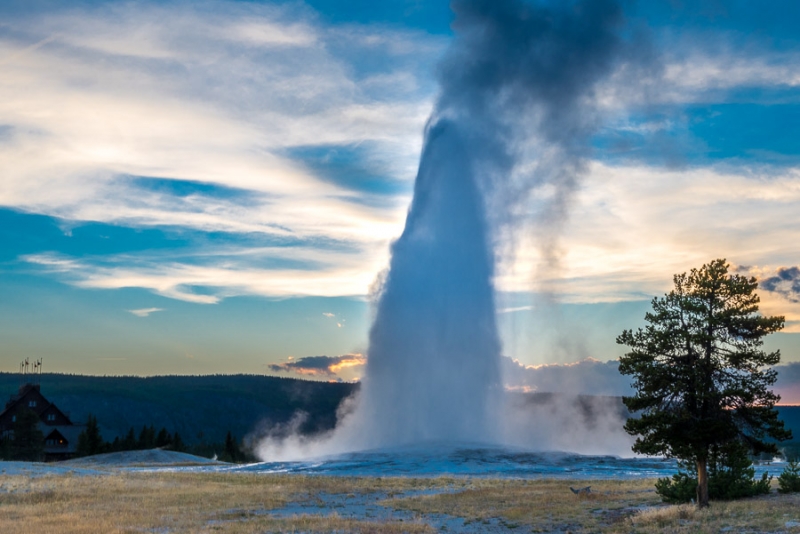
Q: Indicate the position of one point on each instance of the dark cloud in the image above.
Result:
(586, 377)
(786, 283)
(327, 366)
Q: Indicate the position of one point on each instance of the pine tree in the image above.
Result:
(701, 377)
(28, 441)
(789, 479)
(147, 438)
(177, 443)
(163, 439)
(129, 443)
(231, 452)
(90, 441)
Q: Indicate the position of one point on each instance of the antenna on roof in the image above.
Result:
(23, 371)
(37, 370)
(34, 368)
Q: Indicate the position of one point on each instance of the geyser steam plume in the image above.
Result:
(433, 361)
(516, 110)
(515, 73)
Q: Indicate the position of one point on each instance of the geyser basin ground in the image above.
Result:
(419, 461)
(469, 460)
(169, 501)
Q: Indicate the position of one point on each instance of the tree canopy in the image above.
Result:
(701, 377)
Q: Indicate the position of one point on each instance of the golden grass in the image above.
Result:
(184, 502)
(769, 513)
(543, 505)
(162, 502)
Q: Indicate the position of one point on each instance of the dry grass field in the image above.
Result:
(167, 502)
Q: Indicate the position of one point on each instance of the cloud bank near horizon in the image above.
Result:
(331, 367)
(584, 377)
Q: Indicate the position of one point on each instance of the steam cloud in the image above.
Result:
(517, 107)
(585, 377)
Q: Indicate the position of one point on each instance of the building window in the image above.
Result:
(32, 404)
(51, 417)
(13, 418)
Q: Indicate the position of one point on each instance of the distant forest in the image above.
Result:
(204, 409)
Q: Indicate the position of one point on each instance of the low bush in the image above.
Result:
(730, 476)
(789, 479)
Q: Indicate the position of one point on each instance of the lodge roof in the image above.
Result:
(30, 396)
(60, 433)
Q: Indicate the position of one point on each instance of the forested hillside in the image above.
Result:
(200, 408)
(205, 408)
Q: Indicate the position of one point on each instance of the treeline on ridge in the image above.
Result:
(201, 409)
(91, 442)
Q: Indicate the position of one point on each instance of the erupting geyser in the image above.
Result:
(519, 79)
(433, 364)
(518, 104)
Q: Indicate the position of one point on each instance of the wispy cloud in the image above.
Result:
(224, 93)
(214, 95)
(638, 225)
(515, 309)
(145, 312)
(703, 72)
(696, 69)
(208, 278)
(339, 321)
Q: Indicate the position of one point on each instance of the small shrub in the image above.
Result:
(681, 488)
(789, 480)
(730, 476)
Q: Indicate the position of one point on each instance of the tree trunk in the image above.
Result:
(702, 483)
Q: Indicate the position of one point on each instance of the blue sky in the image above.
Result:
(202, 187)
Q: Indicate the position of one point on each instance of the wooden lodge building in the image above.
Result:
(60, 434)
